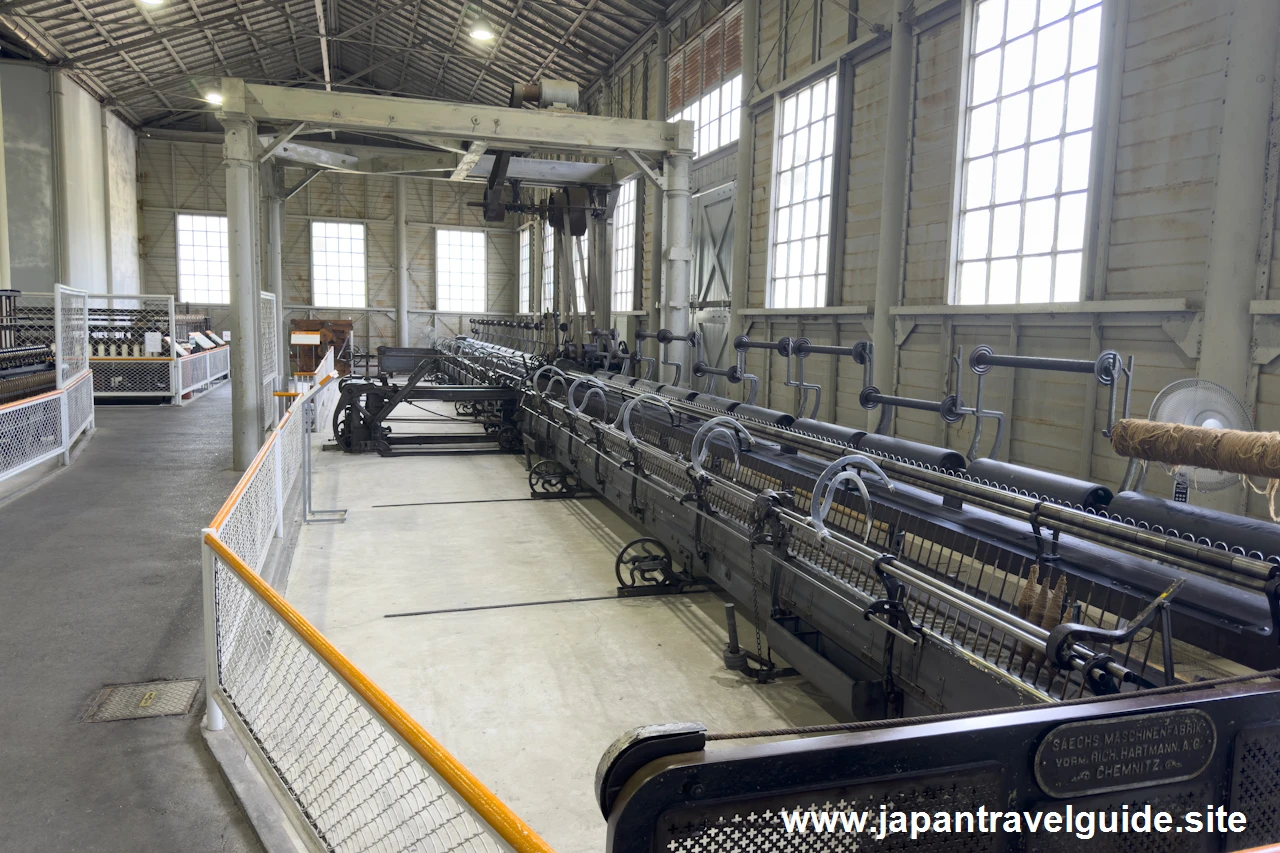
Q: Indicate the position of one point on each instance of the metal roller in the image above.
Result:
(913, 451)
(1029, 481)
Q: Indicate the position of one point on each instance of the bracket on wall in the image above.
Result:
(902, 329)
(659, 181)
(1266, 339)
(1185, 332)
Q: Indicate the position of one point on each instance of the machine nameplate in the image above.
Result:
(1122, 753)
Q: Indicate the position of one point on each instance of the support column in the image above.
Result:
(602, 260)
(275, 266)
(1225, 350)
(658, 268)
(893, 202)
(402, 263)
(5, 273)
(745, 187)
(679, 252)
(240, 152)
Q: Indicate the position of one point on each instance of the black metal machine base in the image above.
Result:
(360, 420)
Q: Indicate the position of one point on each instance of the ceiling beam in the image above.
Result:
(509, 129)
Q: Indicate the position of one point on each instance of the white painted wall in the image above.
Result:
(80, 166)
(122, 204)
(29, 171)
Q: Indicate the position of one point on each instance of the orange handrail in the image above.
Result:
(495, 812)
(27, 400)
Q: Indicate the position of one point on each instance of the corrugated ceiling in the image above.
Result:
(154, 62)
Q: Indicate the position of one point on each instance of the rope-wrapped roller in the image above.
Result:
(1255, 454)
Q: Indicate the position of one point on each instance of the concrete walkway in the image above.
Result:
(100, 584)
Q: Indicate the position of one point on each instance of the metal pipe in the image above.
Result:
(679, 252)
(743, 190)
(1104, 366)
(6, 278)
(402, 262)
(893, 192)
(275, 267)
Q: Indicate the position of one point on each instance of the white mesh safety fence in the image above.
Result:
(118, 326)
(73, 334)
(354, 781)
(45, 425)
(252, 522)
(326, 398)
(193, 372)
(220, 362)
(268, 354)
(79, 396)
(30, 432)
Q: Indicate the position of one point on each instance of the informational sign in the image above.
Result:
(1123, 753)
(305, 338)
(154, 343)
(226, 336)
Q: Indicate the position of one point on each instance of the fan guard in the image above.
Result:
(1198, 402)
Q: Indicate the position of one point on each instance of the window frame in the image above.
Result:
(729, 20)
(548, 290)
(833, 78)
(177, 253)
(1101, 159)
(484, 275)
(311, 267)
(634, 258)
(524, 290)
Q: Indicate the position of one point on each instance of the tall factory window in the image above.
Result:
(460, 271)
(581, 251)
(802, 197)
(704, 82)
(1033, 70)
(204, 273)
(548, 267)
(337, 264)
(624, 248)
(526, 270)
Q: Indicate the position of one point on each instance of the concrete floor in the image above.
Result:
(528, 697)
(100, 584)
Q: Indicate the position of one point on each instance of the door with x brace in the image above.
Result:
(713, 270)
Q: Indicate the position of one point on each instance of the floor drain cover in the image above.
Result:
(148, 699)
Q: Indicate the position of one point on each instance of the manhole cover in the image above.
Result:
(147, 699)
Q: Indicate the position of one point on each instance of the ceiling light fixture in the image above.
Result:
(482, 29)
(213, 97)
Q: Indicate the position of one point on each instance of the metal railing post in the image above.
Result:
(278, 453)
(213, 720)
(64, 415)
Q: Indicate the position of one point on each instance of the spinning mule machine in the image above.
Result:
(908, 582)
(26, 357)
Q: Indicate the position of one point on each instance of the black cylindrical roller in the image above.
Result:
(768, 416)
(647, 385)
(831, 432)
(1054, 487)
(675, 392)
(1173, 518)
(913, 451)
(724, 404)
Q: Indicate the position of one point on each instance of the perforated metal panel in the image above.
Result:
(1255, 784)
(757, 825)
